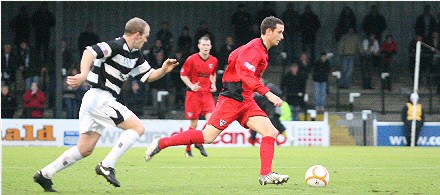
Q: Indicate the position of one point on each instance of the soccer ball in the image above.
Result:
(317, 176)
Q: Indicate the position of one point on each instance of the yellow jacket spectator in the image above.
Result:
(407, 117)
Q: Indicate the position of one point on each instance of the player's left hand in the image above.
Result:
(169, 65)
(277, 101)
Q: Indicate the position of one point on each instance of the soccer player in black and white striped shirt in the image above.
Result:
(106, 66)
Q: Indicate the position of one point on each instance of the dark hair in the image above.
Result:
(270, 23)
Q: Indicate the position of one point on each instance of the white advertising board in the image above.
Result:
(64, 132)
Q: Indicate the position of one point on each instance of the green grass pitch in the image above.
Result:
(353, 170)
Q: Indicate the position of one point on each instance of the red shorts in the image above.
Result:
(228, 110)
(198, 103)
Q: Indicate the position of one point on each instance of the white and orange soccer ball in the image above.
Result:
(317, 176)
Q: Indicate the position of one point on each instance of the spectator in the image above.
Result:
(425, 23)
(224, 52)
(293, 84)
(87, 38)
(156, 56)
(9, 103)
(242, 22)
(9, 64)
(290, 18)
(309, 25)
(321, 71)
(407, 118)
(68, 63)
(374, 23)
(43, 20)
(34, 100)
(135, 98)
(165, 35)
(348, 49)
(154, 50)
(388, 48)
(346, 21)
(69, 98)
(163, 84)
(304, 64)
(21, 26)
(29, 64)
(179, 86)
(369, 55)
(184, 42)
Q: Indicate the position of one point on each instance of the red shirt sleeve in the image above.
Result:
(187, 67)
(246, 67)
(214, 70)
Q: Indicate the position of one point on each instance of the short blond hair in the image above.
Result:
(135, 25)
(204, 38)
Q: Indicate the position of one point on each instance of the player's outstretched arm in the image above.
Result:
(277, 101)
(167, 67)
(86, 63)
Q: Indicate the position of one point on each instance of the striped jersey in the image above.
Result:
(114, 62)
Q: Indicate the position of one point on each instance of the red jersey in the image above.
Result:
(246, 66)
(199, 70)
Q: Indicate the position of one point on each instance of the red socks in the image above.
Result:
(188, 148)
(266, 154)
(189, 137)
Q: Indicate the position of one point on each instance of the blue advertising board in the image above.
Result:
(393, 134)
(71, 138)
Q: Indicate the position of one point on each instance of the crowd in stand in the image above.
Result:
(28, 70)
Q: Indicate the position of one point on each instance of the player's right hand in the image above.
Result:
(76, 80)
(195, 87)
(169, 64)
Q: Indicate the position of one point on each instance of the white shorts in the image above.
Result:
(99, 109)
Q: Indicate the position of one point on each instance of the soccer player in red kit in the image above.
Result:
(241, 79)
(199, 74)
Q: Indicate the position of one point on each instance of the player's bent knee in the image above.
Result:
(209, 140)
(85, 151)
(140, 131)
(271, 132)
